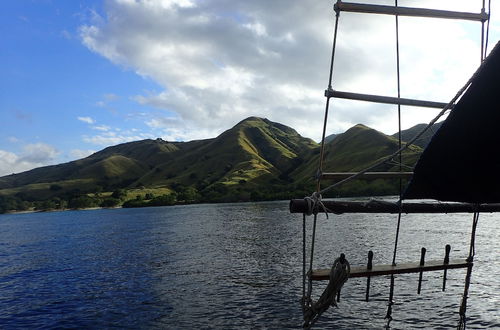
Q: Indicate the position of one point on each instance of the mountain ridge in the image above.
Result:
(255, 159)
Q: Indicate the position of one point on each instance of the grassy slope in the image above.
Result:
(255, 152)
(111, 167)
(423, 141)
(354, 150)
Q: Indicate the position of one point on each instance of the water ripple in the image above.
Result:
(229, 266)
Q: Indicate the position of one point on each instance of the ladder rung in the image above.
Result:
(383, 99)
(368, 175)
(408, 11)
(378, 270)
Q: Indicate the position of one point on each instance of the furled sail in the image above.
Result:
(462, 161)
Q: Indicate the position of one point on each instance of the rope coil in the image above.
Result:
(339, 274)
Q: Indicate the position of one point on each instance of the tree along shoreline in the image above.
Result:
(121, 198)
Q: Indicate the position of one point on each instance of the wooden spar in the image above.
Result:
(379, 270)
(378, 206)
(384, 99)
(408, 11)
(367, 175)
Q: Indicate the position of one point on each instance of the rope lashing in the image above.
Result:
(339, 274)
(314, 204)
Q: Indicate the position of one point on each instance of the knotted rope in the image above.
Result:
(314, 204)
(338, 276)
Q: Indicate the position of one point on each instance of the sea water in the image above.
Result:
(232, 266)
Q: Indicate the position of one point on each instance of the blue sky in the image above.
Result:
(56, 95)
(78, 76)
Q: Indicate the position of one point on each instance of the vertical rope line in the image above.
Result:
(313, 239)
(470, 259)
(397, 236)
(487, 29)
(327, 106)
(483, 53)
(391, 290)
(472, 246)
(388, 316)
(304, 262)
(399, 96)
(399, 137)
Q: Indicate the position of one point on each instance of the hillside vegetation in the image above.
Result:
(255, 160)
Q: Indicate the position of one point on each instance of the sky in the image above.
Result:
(79, 76)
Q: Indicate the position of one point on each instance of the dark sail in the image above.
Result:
(462, 161)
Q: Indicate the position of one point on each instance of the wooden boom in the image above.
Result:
(384, 99)
(378, 206)
(408, 11)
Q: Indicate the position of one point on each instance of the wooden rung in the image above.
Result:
(380, 206)
(384, 99)
(408, 11)
(367, 175)
(379, 270)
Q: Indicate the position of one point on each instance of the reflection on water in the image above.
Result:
(229, 266)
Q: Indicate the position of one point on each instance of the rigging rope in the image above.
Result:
(487, 29)
(391, 293)
(338, 276)
(327, 105)
(470, 259)
(475, 219)
(315, 199)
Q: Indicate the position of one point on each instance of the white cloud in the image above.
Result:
(87, 120)
(33, 155)
(107, 99)
(112, 138)
(103, 128)
(220, 61)
(174, 129)
(40, 153)
(78, 153)
(9, 163)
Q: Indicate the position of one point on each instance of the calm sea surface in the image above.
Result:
(230, 266)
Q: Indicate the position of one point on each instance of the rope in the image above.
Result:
(307, 298)
(327, 105)
(391, 292)
(487, 29)
(475, 219)
(303, 262)
(470, 259)
(339, 274)
(399, 96)
(399, 136)
(314, 204)
(388, 316)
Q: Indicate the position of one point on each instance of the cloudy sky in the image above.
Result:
(78, 76)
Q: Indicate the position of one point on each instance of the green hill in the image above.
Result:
(254, 160)
(356, 149)
(423, 141)
(254, 152)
